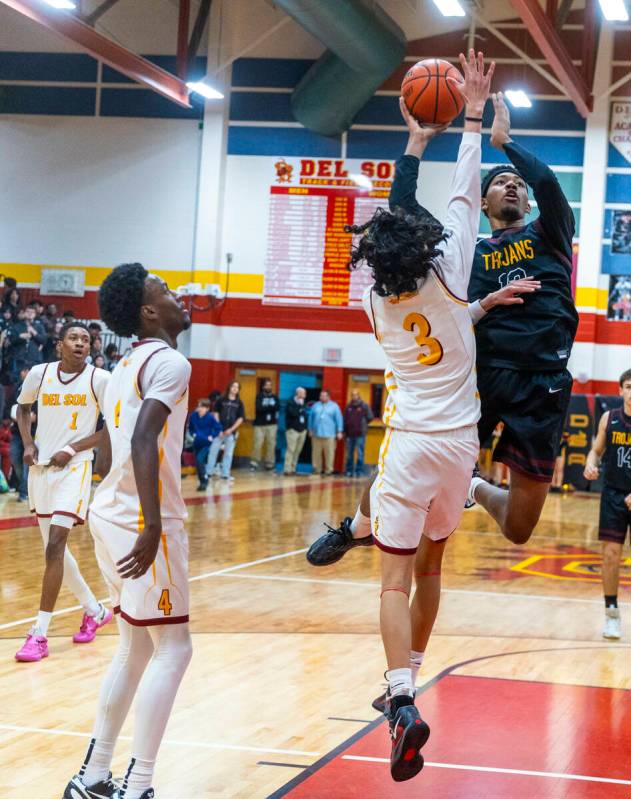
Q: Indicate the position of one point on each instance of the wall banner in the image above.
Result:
(620, 131)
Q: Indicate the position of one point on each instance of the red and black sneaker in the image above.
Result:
(409, 735)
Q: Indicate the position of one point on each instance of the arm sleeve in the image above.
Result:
(192, 423)
(476, 312)
(166, 377)
(369, 414)
(241, 412)
(555, 215)
(339, 419)
(40, 338)
(31, 384)
(100, 380)
(463, 216)
(403, 191)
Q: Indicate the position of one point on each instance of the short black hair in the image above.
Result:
(69, 313)
(494, 172)
(626, 375)
(68, 326)
(121, 297)
(399, 248)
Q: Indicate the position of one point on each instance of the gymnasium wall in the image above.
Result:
(101, 171)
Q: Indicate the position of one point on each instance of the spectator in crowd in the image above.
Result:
(26, 341)
(204, 427)
(296, 415)
(49, 322)
(326, 425)
(99, 362)
(5, 446)
(95, 330)
(265, 427)
(68, 316)
(20, 469)
(229, 410)
(96, 348)
(356, 418)
(12, 301)
(213, 397)
(111, 356)
(51, 314)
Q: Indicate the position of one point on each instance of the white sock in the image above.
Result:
(97, 610)
(416, 661)
(135, 649)
(43, 622)
(400, 681)
(475, 482)
(139, 773)
(360, 526)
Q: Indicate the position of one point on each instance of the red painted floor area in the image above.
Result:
(494, 724)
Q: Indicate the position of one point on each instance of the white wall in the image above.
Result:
(95, 192)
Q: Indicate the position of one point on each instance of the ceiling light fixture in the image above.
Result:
(64, 5)
(199, 87)
(450, 8)
(518, 98)
(614, 10)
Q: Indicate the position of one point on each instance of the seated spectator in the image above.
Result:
(99, 362)
(203, 427)
(26, 341)
(111, 356)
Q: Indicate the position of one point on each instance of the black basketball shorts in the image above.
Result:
(533, 407)
(615, 517)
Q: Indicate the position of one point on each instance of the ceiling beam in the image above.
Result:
(98, 12)
(203, 13)
(184, 18)
(100, 47)
(542, 30)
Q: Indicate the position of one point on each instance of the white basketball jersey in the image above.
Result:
(152, 370)
(68, 407)
(429, 342)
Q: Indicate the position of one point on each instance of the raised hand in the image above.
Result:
(477, 85)
(416, 128)
(500, 130)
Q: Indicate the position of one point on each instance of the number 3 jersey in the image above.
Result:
(617, 458)
(152, 370)
(68, 406)
(427, 335)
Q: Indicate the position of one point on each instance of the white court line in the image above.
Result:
(518, 772)
(366, 584)
(218, 573)
(194, 744)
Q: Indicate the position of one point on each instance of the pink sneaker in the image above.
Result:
(90, 624)
(33, 649)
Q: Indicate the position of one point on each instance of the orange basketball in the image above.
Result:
(428, 95)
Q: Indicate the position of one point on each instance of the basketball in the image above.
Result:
(427, 93)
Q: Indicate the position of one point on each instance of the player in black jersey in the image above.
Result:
(612, 450)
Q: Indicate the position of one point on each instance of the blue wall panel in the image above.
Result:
(281, 142)
(618, 189)
(257, 107)
(280, 73)
(145, 103)
(615, 264)
(616, 159)
(53, 100)
(70, 67)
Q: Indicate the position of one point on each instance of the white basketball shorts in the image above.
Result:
(421, 486)
(160, 596)
(64, 492)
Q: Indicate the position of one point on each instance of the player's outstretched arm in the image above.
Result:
(145, 459)
(555, 213)
(592, 466)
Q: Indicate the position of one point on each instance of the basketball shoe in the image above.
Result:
(612, 624)
(33, 649)
(475, 482)
(335, 543)
(380, 702)
(409, 735)
(104, 789)
(90, 624)
(122, 794)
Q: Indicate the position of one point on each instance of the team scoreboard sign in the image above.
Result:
(311, 200)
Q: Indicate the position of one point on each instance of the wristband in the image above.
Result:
(473, 119)
(69, 450)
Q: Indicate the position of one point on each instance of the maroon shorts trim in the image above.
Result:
(544, 463)
(78, 519)
(152, 622)
(116, 609)
(540, 478)
(395, 550)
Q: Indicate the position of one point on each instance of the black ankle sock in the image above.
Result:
(611, 600)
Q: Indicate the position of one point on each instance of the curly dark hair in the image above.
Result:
(120, 298)
(398, 247)
(68, 326)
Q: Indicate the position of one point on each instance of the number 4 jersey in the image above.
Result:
(68, 406)
(617, 458)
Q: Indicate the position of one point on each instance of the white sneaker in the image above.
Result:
(475, 482)
(612, 624)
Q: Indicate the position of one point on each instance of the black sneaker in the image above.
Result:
(122, 793)
(202, 486)
(380, 702)
(335, 543)
(409, 735)
(105, 789)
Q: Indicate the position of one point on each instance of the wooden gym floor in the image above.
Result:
(524, 697)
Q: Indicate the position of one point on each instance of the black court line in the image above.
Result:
(310, 770)
(339, 718)
(285, 765)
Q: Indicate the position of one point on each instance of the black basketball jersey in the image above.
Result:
(617, 457)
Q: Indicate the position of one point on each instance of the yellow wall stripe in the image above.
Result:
(591, 298)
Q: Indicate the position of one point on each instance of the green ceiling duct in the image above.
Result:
(364, 47)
